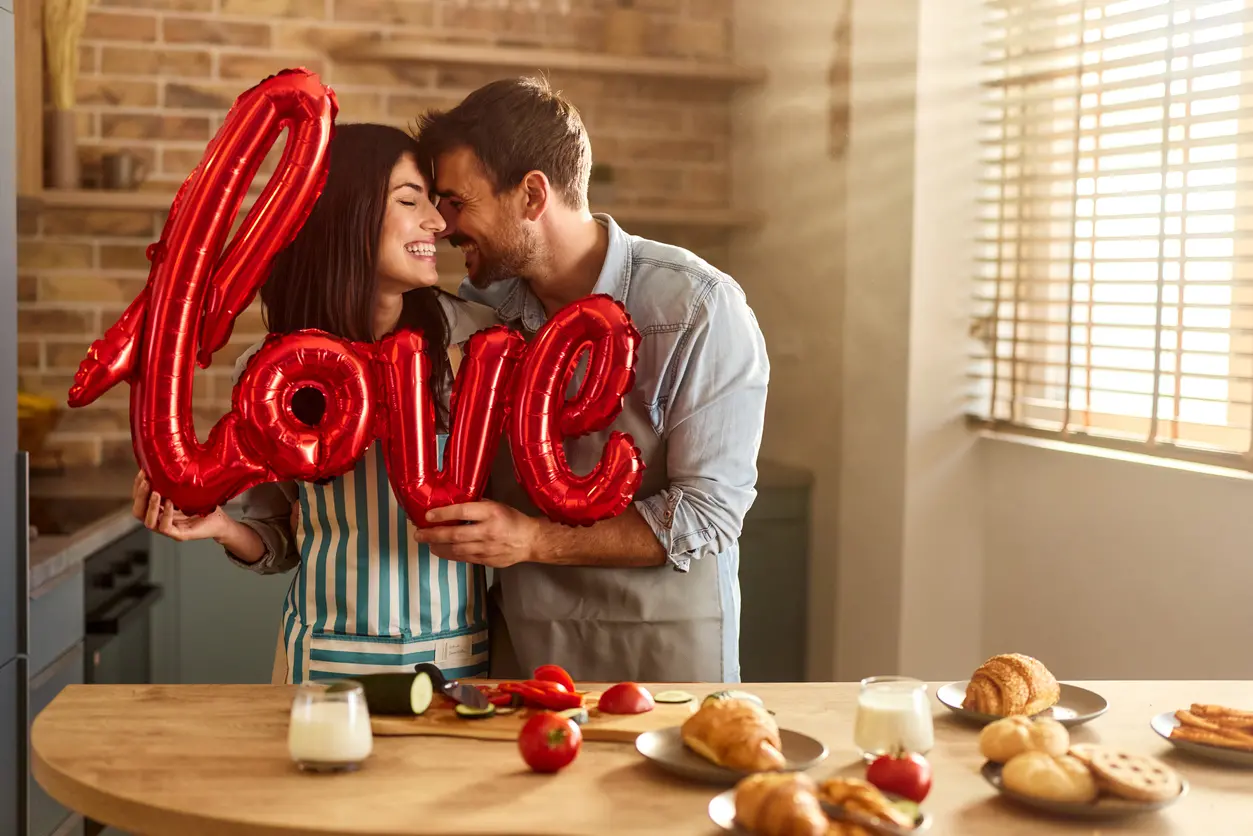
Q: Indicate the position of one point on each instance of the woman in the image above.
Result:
(365, 597)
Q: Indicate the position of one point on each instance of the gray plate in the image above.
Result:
(722, 813)
(1104, 807)
(665, 748)
(1163, 723)
(1076, 706)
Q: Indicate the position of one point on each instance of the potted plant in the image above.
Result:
(63, 24)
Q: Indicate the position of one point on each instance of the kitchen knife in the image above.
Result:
(451, 688)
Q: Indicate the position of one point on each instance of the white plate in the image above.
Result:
(1105, 807)
(1163, 723)
(722, 813)
(1075, 707)
(665, 748)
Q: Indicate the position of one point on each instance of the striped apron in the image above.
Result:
(366, 598)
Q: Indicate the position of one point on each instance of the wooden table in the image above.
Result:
(201, 759)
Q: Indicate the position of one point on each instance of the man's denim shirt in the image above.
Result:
(701, 379)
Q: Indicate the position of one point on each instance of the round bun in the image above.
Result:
(1003, 739)
(1041, 775)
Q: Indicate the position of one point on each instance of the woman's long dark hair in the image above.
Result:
(326, 278)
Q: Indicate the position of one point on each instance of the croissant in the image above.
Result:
(1011, 683)
(737, 734)
(862, 798)
(779, 804)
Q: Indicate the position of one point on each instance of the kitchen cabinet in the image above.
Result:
(46, 815)
(217, 623)
(774, 577)
(13, 769)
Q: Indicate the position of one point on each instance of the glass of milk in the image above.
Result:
(329, 730)
(893, 713)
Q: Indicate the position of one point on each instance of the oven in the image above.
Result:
(118, 599)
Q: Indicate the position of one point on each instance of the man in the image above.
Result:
(652, 594)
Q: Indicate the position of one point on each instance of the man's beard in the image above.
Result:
(506, 258)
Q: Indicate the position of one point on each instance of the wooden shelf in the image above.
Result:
(101, 199)
(153, 200)
(522, 58)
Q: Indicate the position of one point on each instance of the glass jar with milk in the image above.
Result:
(893, 713)
(329, 730)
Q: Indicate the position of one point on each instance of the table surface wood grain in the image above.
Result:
(201, 759)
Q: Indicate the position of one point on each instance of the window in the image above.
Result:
(1114, 288)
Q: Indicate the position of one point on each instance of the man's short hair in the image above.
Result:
(514, 126)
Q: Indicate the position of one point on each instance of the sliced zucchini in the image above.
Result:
(578, 715)
(472, 713)
(674, 697)
(397, 694)
(732, 694)
(506, 709)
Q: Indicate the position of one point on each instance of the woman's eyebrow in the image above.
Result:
(413, 186)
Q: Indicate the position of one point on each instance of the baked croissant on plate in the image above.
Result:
(1011, 683)
(779, 804)
(861, 798)
(737, 734)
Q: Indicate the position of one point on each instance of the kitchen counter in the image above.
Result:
(76, 512)
(199, 759)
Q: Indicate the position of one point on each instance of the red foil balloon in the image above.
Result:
(540, 415)
(270, 429)
(476, 410)
(167, 314)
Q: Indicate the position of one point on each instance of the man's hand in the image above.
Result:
(496, 536)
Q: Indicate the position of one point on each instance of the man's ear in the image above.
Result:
(536, 192)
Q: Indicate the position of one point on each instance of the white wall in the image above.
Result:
(932, 548)
(792, 266)
(1111, 567)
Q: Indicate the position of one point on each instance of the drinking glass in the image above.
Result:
(893, 713)
(329, 729)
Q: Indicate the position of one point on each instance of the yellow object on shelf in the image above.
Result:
(37, 417)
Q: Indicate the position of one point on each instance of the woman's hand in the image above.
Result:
(159, 515)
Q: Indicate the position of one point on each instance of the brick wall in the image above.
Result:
(159, 75)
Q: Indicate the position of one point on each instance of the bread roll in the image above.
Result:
(1041, 775)
(1001, 740)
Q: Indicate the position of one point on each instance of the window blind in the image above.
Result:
(1114, 281)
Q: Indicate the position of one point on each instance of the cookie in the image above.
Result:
(1134, 777)
(1082, 752)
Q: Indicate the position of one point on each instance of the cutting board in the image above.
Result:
(440, 720)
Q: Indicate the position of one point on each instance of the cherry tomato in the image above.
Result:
(548, 742)
(555, 673)
(906, 774)
(626, 698)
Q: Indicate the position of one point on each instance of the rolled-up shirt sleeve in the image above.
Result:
(267, 510)
(713, 425)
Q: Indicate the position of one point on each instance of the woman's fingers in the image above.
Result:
(152, 519)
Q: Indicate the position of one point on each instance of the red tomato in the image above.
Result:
(905, 774)
(549, 741)
(555, 673)
(626, 698)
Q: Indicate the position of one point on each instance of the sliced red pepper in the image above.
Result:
(548, 685)
(555, 673)
(501, 700)
(549, 698)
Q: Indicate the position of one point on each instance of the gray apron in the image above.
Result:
(609, 624)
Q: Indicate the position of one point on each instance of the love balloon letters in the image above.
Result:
(372, 391)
